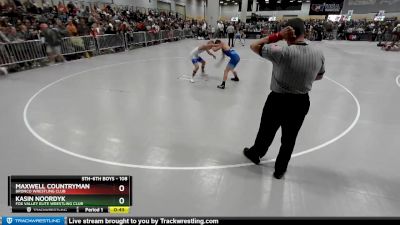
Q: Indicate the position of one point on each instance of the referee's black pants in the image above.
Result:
(288, 112)
(230, 38)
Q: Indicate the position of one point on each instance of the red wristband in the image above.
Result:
(275, 37)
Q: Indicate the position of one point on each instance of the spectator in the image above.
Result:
(85, 13)
(71, 28)
(12, 35)
(61, 8)
(70, 7)
(110, 29)
(396, 33)
(83, 28)
(3, 37)
(3, 53)
(95, 30)
(26, 34)
(52, 38)
(220, 30)
(60, 27)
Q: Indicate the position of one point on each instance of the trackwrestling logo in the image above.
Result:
(318, 7)
(21, 220)
(325, 7)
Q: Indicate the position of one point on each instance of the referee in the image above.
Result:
(295, 67)
(231, 34)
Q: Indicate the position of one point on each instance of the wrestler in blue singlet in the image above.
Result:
(235, 58)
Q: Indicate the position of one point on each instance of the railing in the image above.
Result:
(110, 41)
(27, 51)
(20, 52)
(188, 33)
(164, 35)
(135, 38)
(179, 34)
(152, 37)
(74, 45)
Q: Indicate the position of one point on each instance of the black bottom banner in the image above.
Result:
(203, 221)
(40, 220)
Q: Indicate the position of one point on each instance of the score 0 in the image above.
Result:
(121, 200)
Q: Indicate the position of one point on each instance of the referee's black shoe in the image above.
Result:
(235, 78)
(278, 175)
(250, 155)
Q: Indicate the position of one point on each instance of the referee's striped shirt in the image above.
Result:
(295, 67)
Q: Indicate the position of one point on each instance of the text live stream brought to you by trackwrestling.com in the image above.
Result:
(52, 220)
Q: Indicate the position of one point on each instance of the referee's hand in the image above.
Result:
(288, 33)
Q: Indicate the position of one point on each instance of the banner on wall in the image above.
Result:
(335, 18)
(380, 16)
(339, 18)
(326, 7)
(350, 13)
(348, 16)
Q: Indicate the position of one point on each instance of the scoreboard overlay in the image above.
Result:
(88, 194)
